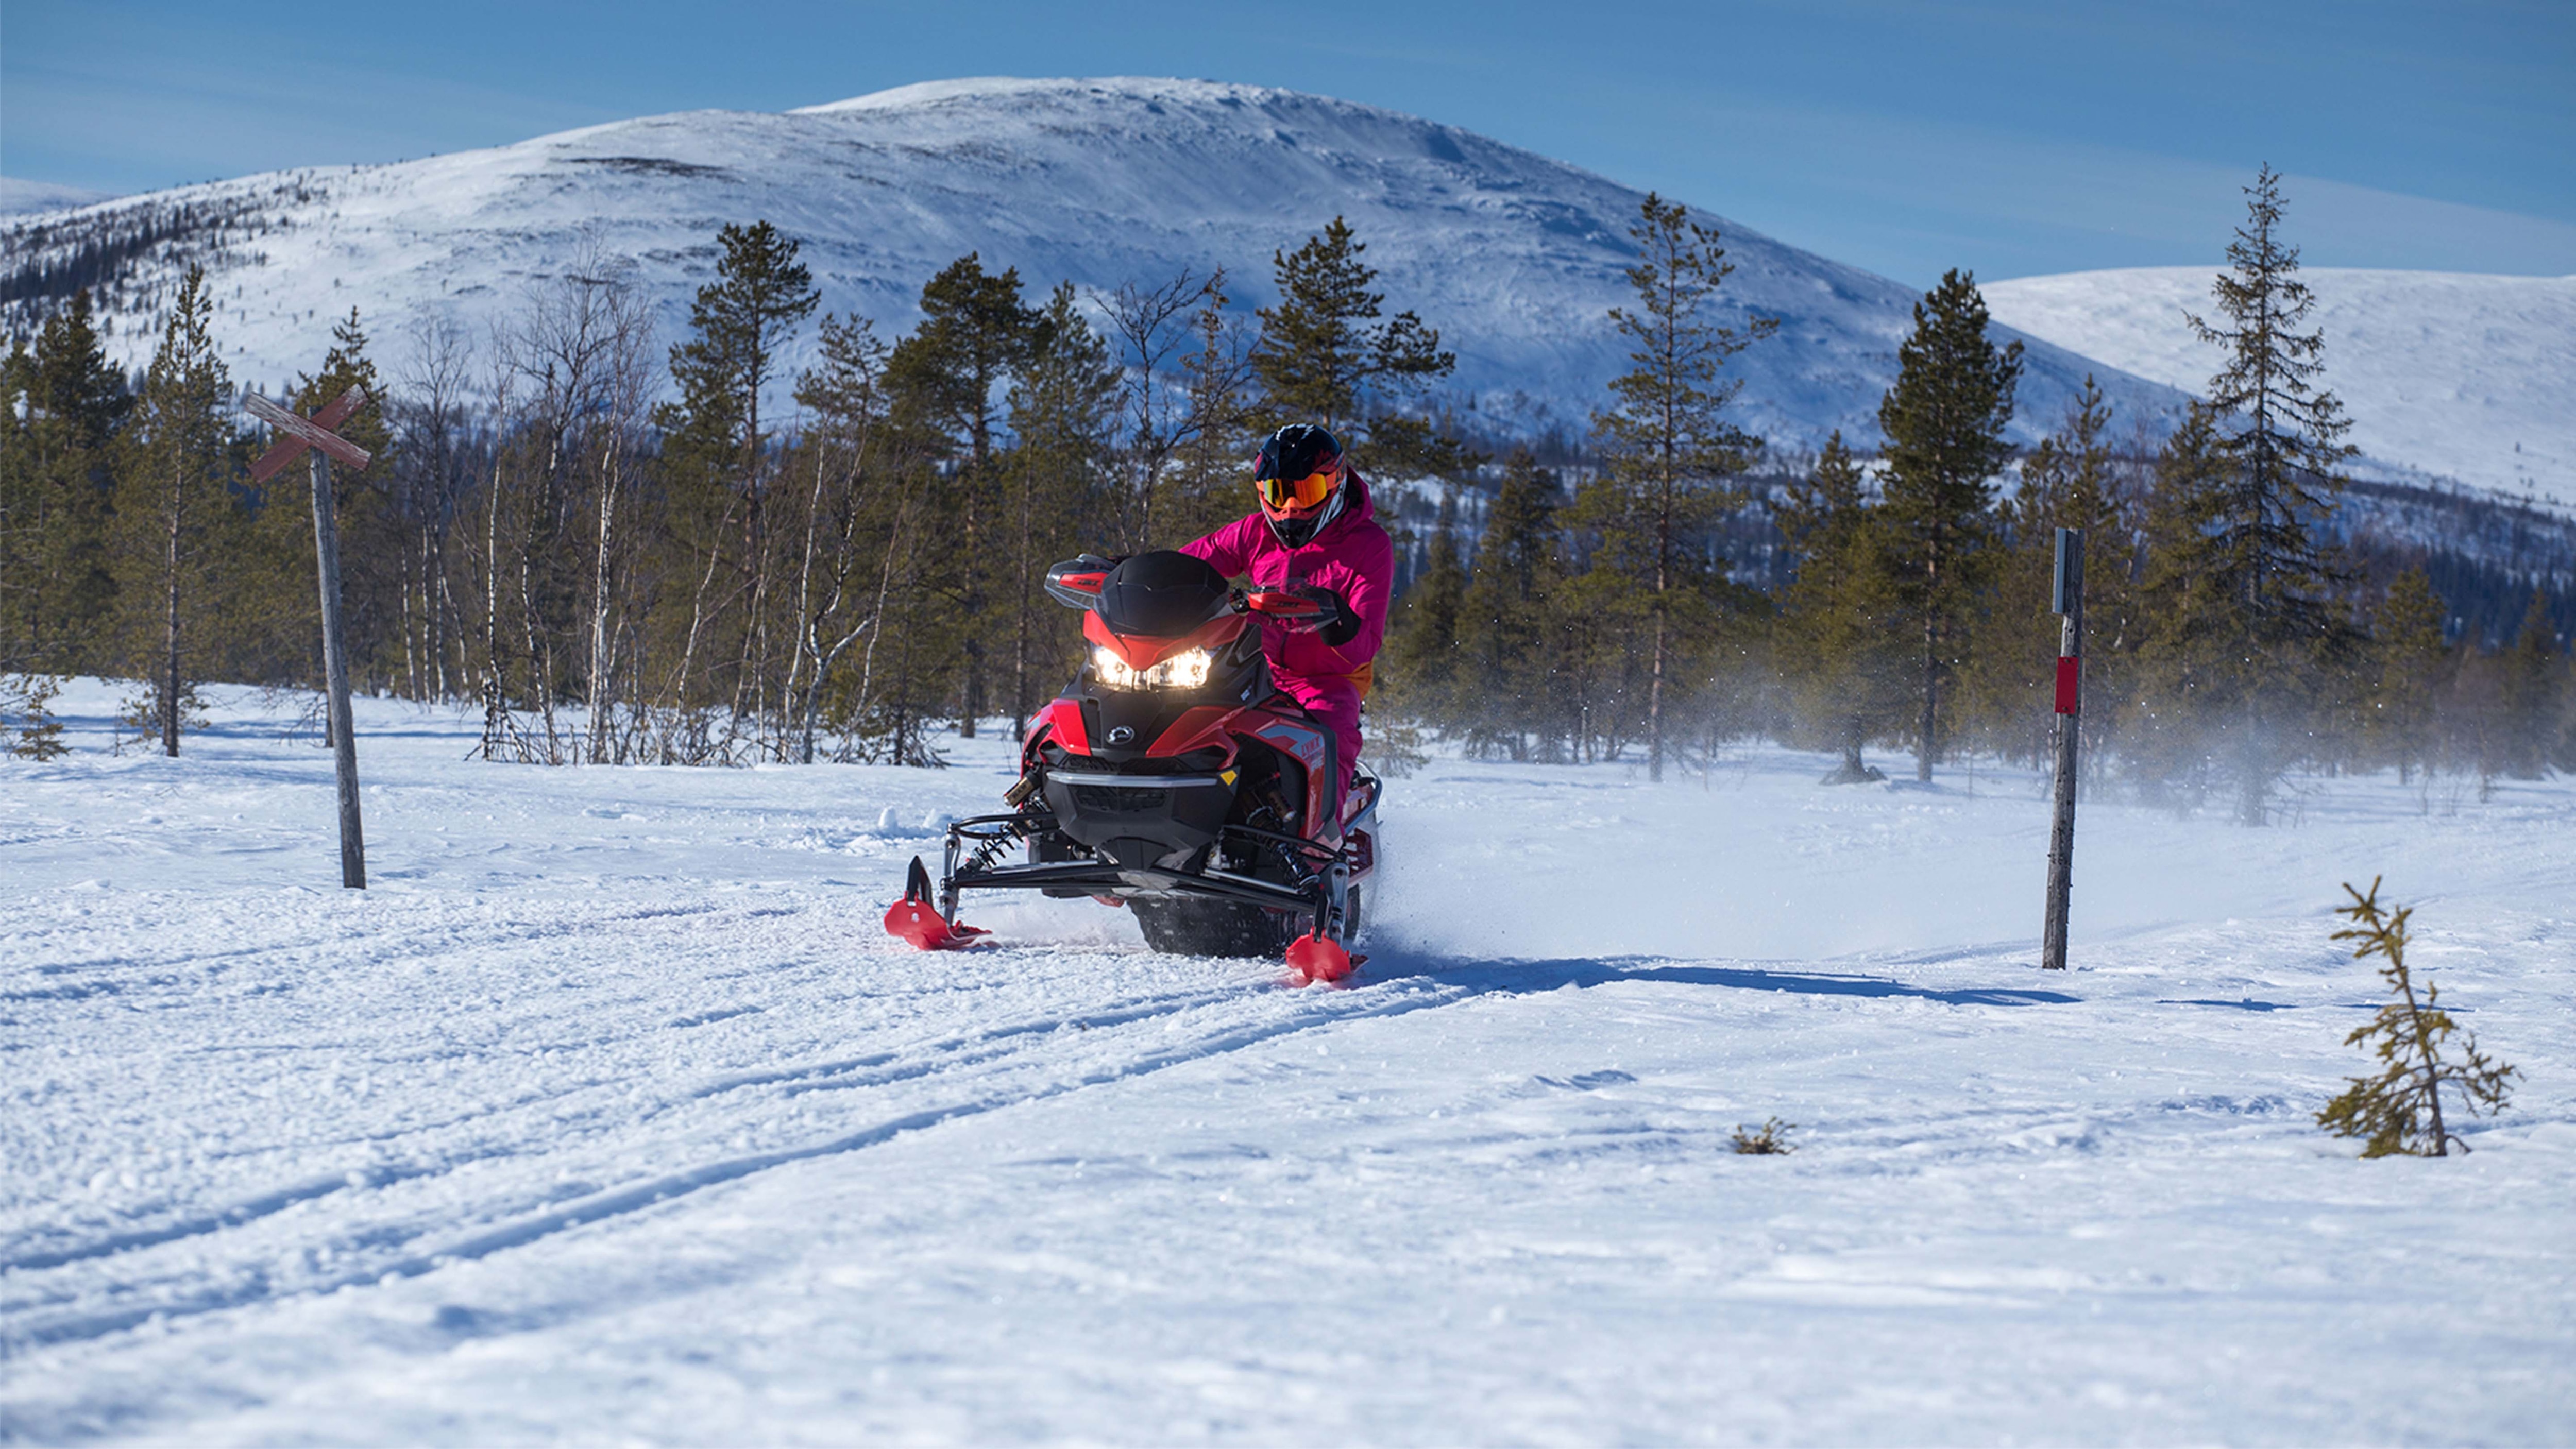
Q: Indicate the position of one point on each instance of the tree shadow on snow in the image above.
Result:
(1536, 976)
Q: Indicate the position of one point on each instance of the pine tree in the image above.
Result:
(2409, 657)
(975, 332)
(1945, 421)
(1668, 447)
(1319, 356)
(717, 450)
(1062, 411)
(175, 514)
(1840, 646)
(2280, 436)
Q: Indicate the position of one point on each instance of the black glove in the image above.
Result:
(1341, 622)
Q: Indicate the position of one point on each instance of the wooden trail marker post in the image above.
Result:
(2065, 598)
(314, 438)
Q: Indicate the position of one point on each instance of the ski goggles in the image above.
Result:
(1299, 493)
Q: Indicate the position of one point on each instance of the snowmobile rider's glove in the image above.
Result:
(1341, 622)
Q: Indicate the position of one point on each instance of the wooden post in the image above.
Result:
(2066, 598)
(335, 676)
(298, 435)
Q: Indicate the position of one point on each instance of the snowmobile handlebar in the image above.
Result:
(1286, 606)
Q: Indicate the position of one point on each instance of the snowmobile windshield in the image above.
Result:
(1162, 595)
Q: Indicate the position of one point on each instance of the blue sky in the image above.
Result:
(2012, 138)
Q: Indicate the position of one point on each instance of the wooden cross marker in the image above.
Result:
(314, 438)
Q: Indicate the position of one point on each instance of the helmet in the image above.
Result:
(1299, 480)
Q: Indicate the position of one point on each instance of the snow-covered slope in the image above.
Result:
(1515, 257)
(2462, 376)
(19, 196)
(609, 1115)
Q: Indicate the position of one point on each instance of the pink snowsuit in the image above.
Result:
(1351, 556)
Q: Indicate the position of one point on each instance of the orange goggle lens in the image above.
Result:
(1306, 492)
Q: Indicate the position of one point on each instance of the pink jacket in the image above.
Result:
(1352, 557)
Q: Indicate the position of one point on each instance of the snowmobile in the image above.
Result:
(1175, 779)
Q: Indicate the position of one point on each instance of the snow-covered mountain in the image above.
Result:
(18, 196)
(1514, 257)
(2461, 376)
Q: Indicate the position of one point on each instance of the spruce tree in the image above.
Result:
(1668, 447)
(175, 513)
(67, 403)
(2282, 432)
(2280, 436)
(286, 634)
(2190, 671)
(2528, 707)
(1422, 642)
(1944, 420)
(2409, 655)
(1839, 642)
(1506, 647)
(2399, 1110)
(2070, 480)
(975, 332)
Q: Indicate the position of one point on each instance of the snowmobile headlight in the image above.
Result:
(1185, 670)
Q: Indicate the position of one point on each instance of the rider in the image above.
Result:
(1314, 533)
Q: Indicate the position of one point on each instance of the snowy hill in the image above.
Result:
(1513, 256)
(19, 196)
(2455, 375)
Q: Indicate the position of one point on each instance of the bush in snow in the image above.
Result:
(1771, 1139)
(2400, 1110)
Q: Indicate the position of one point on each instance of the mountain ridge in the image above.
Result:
(1514, 256)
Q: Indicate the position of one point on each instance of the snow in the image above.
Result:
(1516, 258)
(2451, 374)
(608, 1114)
(18, 195)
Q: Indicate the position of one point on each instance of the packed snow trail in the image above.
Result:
(610, 1114)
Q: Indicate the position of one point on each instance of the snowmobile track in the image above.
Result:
(392, 1249)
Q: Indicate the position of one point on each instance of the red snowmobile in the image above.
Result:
(1174, 779)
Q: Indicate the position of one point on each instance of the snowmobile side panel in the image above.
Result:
(1062, 718)
(1201, 727)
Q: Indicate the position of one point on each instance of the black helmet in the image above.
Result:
(1300, 480)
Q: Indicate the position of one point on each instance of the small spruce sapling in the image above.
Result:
(1771, 1139)
(29, 698)
(2400, 1110)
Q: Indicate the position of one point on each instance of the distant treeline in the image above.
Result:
(624, 548)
